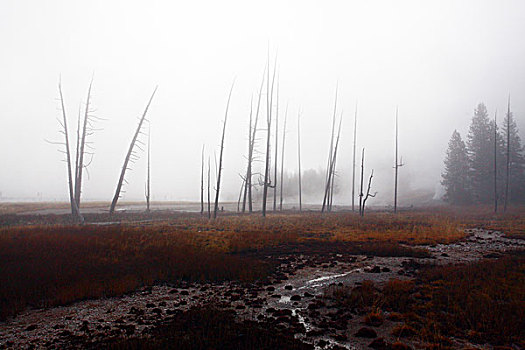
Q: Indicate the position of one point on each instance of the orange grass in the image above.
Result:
(54, 265)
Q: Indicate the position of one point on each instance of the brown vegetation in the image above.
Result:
(481, 302)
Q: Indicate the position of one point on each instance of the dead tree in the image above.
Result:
(334, 162)
(361, 194)
(209, 182)
(507, 160)
(269, 102)
(251, 148)
(217, 191)
(130, 156)
(495, 162)
(202, 180)
(75, 212)
(148, 178)
(87, 129)
(282, 160)
(397, 165)
(353, 158)
(276, 148)
(368, 193)
(299, 158)
(326, 198)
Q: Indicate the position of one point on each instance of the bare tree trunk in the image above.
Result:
(361, 194)
(507, 165)
(80, 156)
(202, 180)
(216, 206)
(209, 202)
(246, 180)
(128, 156)
(240, 196)
(251, 147)
(75, 212)
(331, 169)
(299, 158)
(276, 149)
(269, 103)
(148, 180)
(282, 159)
(368, 193)
(326, 198)
(396, 166)
(332, 181)
(495, 164)
(353, 158)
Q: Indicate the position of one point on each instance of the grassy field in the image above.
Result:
(48, 265)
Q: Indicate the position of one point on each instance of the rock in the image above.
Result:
(240, 307)
(184, 292)
(400, 346)
(150, 305)
(379, 344)
(322, 343)
(340, 337)
(276, 296)
(288, 287)
(270, 289)
(157, 311)
(307, 295)
(366, 332)
(173, 291)
(385, 269)
(295, 297)
(31, 327)
(445, 255)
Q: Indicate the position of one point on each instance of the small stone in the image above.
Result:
(366, 332)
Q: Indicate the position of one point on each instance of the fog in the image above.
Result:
(435, 60)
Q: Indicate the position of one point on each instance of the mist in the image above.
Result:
(434, 61)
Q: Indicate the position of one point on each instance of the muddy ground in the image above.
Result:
(294, 299)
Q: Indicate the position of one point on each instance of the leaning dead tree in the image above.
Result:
(397, 165)
(368, 193)
(353, 158)
(130, 156)
(282, 160)
(269, 103)
(299, 158)
(75, 212)
(147, 189)
(326, 198)
(219, 171)
(334, 162)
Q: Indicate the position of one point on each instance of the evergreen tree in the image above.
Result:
(480, 147)
(456, 175)
(517, 160)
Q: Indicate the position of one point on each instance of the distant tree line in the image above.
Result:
(487, 168)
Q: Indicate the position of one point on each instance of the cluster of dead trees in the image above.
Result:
(269, 87)
(84, 148)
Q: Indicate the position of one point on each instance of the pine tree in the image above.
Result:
(516, 191)
(480, 148)
(456, 175)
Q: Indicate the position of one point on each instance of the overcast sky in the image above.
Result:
(434, 59)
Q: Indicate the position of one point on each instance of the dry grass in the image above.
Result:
(482, 302)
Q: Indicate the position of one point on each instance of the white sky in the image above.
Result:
(435, 59)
